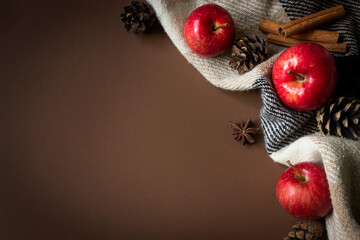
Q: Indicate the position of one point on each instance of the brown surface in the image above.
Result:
(109, 135)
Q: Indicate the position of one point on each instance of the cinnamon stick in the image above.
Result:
(311, 21)
(332, 47)
(312, 35)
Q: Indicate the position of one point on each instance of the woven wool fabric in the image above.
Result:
(288, 134)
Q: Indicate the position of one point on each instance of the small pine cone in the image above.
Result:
(340, 117)
(306, 230)
(138, 17)
(247, 52)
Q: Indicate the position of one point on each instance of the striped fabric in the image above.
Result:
(288, 134)
(281, 125)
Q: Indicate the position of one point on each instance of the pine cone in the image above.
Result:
(138, 17)
(248, 52)
(306, 230)
(340, 117)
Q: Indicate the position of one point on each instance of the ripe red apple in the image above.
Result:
(303, 191)
(209, 30)
(305, 76)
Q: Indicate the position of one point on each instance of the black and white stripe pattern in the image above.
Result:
(348, 26)
(281, 125)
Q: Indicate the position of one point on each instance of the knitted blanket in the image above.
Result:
(288, 134)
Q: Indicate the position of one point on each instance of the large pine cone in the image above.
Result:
(248, 52)
(306, 230)
(340, 117)
(138, 17)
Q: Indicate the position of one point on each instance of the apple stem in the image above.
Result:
(301, 78)
(301, 177)
(216, 27)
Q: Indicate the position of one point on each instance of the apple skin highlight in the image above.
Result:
(309, 199)
(312, 80)
(209, 30)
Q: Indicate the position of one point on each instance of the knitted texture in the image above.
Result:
(288, 134)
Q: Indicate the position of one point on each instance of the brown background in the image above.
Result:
(110, 135)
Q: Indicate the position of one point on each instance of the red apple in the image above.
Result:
(209, 30)
(303, 191)
(305, 76)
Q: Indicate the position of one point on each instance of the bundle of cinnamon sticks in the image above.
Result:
(302, 30)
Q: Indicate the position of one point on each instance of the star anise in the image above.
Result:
(244, 132)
